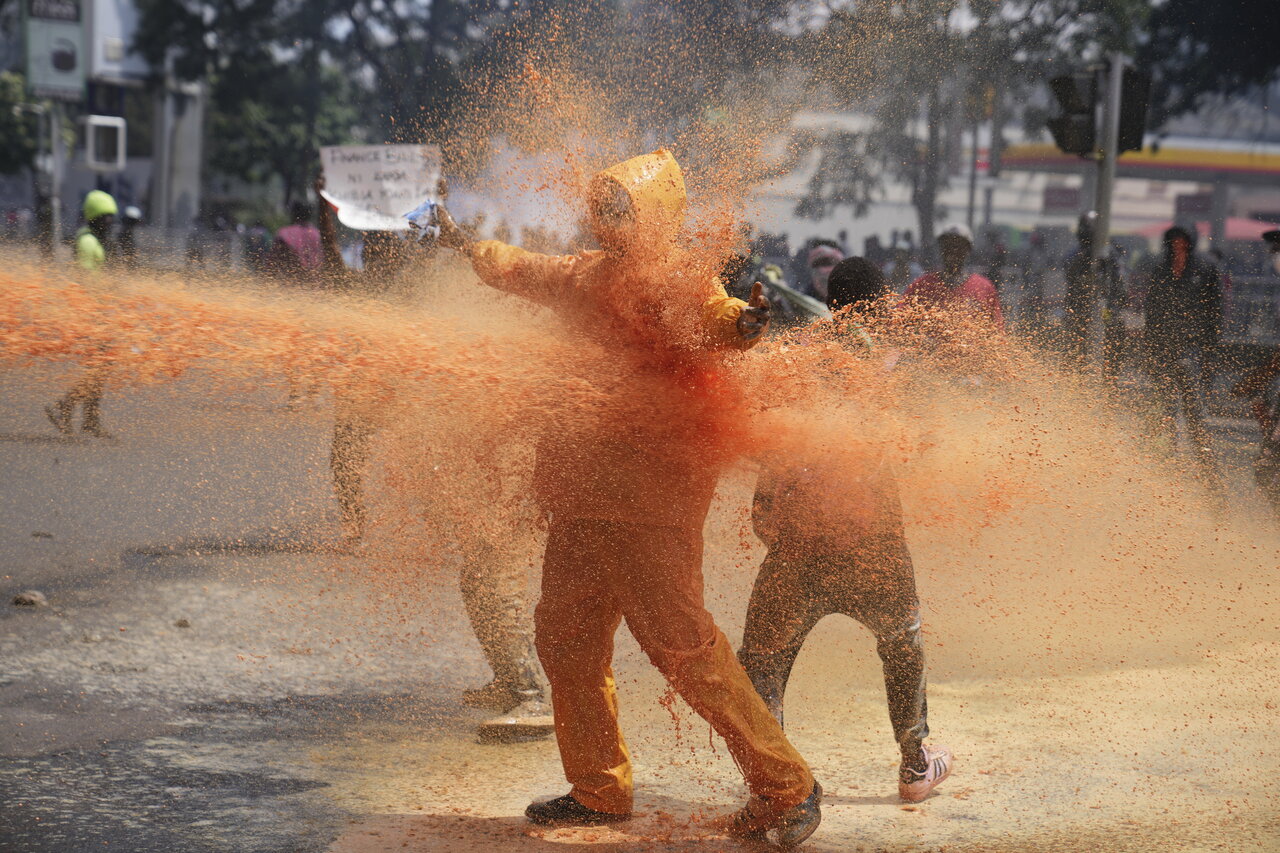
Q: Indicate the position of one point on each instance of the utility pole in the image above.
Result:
(1109, 150)
(973, 174)
(57, 162)
(162, 165)
(1122, 92)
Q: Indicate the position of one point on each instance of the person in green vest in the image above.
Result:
(90, 254)
(91, 241)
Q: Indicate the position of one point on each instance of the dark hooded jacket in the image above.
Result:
(1183, 312)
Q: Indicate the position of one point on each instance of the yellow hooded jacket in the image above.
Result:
(656, 472)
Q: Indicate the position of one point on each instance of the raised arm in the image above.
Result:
(331, 263)
(544, 279)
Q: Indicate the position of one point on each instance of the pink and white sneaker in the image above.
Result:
(913, 785)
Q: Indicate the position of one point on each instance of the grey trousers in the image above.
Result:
(802, 581)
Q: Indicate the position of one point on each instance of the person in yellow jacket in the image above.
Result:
(90, 254)
(627, 484)
(91, 240)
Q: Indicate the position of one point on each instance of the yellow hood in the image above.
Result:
(655, 185)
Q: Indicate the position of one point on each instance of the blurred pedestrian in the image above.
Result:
(1035, 270)
(127, 241)
(872, 250)
(257, 247)
(93, 245)
(952, 288)
(1078, 302)
(93, 251)
(296, 259)
(1184, 328)
(1257, 386)
(822, 257)
(901, 270)
(832, 521)
(354, 424)
(857, 283)
(492, 582)
(801, 276)
(296, 254)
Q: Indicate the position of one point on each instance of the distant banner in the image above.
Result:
(55, 49)
(374, 186)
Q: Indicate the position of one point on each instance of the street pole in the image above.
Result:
(1106, 187)
(973, 174)
(55, 176)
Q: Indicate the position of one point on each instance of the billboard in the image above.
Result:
(113, 24)
(55, 48)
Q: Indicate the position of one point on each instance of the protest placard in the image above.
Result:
(373, 186)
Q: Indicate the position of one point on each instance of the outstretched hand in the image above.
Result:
(754, 319)
(451, 236)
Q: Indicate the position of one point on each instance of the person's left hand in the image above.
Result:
(754, 319)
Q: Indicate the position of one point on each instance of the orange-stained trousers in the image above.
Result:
(597, 573)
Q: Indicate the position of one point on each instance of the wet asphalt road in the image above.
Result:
(209, 673)
(166, 698)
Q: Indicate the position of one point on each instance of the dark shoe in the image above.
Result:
(494, 696)
(784, 830)
(60, 416)
(530, 720)
(566, 811)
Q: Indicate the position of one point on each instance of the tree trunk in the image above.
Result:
(313, 102)
(925, 193)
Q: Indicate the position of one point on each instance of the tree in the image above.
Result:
(905, 60)
(286, 76)
(19, 131)
(1197, 49)
(278, 128)
(843, 175)
(922, 69)
(687, 72)
(262, 63)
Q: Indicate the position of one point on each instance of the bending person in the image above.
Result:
(627, 496)
(834, 550)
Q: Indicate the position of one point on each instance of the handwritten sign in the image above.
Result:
(374, 186)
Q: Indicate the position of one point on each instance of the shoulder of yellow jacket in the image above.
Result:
(89, 251)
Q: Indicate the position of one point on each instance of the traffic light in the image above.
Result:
(1075, 131)
(1135, 91)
